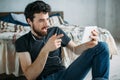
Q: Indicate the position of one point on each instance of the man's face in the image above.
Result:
(40, 23)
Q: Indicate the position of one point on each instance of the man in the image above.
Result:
(40, 50)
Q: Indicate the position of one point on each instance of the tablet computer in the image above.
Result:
(87, 33)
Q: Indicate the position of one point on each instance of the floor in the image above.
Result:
(114, 66)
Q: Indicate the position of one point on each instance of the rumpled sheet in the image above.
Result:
(9, 62)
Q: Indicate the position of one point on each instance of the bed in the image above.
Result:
(9, 32)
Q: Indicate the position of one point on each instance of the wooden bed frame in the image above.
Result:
(53, 12)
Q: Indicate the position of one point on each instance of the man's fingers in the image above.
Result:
(94, 38)
(95, 33)
(59, 40)
(53, 36)
(59, 36)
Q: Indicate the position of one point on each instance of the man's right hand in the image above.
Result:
(54, 42)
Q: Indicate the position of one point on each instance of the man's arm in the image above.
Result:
(78, 49)
(32, 70)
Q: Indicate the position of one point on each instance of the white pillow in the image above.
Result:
(56, 21)
(19, 17)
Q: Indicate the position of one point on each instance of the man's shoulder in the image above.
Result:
(23, 37)
(54, 29)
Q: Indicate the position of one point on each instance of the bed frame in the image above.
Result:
(53, 12)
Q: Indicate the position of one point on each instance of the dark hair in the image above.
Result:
(36, 7)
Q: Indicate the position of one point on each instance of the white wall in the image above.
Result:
(79, 12)
(110, 17)
(13, 5)
(103, 13)
(117, 19)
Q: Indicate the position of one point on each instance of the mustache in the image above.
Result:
(45, 27)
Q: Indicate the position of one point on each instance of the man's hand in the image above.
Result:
(54, 42)
(94, 40)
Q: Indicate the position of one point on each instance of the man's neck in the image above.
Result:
(35, 35)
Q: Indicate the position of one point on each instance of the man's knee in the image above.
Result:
(103, 46)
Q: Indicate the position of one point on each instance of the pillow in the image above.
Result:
(9, 27)
(8, 18)
(19, 18)
(55, 20)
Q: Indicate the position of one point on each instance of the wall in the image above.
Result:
(80, 12)
(103, 13)
(13, 5)
(117, 19)
(110, 18)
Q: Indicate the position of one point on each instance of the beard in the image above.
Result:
(40, 33)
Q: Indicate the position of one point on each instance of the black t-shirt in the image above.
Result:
(33, 45)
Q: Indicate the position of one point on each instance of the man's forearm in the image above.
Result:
(34, 70)
(80, 48)
(77, 49)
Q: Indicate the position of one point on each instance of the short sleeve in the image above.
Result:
(65, 38)
(20, 44)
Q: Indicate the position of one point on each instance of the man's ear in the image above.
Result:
(29, 21)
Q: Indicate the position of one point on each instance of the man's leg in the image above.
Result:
(97, 58)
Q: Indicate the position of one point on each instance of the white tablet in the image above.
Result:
(87, 33)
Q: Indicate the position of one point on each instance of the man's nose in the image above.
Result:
(46, 23)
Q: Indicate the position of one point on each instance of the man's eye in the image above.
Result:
(41, 20)
(48, 19)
